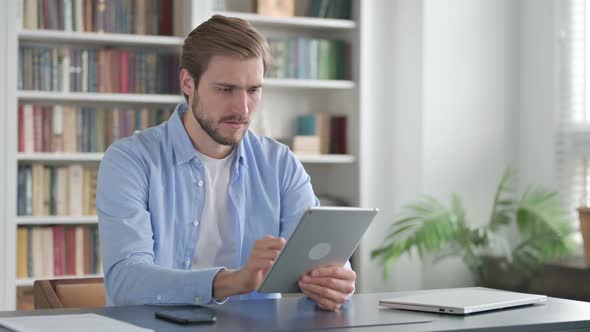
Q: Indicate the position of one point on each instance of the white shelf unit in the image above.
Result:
(14, 38)
(334, 174)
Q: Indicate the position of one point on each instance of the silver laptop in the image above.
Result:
(324, 236)
(461, 301)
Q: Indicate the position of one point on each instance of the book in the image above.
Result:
(37, 256)
(47, 264)
(79, 231)
(59, 250)
(70, 233)
(277, 8)
(306, 145)
(316, 124)
(338, 135)
(22, 252)
(38, 182)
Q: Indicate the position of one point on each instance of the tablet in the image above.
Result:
(324, 236)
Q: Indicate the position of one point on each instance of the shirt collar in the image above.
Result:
(184, 150)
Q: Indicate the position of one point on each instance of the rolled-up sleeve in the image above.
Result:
(127, 244)
(296, 193)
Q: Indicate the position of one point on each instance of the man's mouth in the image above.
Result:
(236, 124)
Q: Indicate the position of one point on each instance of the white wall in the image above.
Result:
(469, 91)
(538, 93)
(442, 94)
(390, 155)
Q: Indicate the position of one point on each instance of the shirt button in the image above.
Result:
(200, 183)
(197, 300)
(187, 263)
(196, 223)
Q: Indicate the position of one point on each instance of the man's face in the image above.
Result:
(227, 95)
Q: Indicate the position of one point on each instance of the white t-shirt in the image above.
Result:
(216, 245)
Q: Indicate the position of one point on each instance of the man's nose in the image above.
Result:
(241, 102)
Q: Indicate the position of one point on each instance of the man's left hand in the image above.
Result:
(328, 286)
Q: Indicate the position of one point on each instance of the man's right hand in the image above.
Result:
(248, 278)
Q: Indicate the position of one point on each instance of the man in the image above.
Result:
(197, 209)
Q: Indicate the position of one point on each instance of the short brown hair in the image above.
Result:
(221, 35)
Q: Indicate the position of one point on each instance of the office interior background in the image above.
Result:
(382, 101)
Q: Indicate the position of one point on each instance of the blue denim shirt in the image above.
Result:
(150, 199)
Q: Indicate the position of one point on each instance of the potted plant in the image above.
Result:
(543, 233)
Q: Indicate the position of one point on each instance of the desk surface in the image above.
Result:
(362, 312)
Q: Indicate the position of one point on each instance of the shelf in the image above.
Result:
(95, 38)
(95, 157)
(327, 159)
(297, 21)
(53, 220)
(30, 281)
(119, 98)
(308, 84)
(55, 157)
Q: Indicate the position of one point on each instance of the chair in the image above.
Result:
(69, 293)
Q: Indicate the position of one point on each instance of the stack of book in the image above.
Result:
(276, 8)
(152, 17)
(309, 58)
(45, 190)
(46, 251)
(330, 9)
(68, 128)
(105, 70)
(320, 133)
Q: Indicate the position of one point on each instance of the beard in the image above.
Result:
(208, 125)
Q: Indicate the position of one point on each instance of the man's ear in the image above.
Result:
(187, 83)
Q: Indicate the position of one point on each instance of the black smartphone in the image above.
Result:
(187, 316)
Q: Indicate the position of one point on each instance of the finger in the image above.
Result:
(265, 254)
(325, 292)
(260, 264)
(339, 285)
(338, 272)
(270, 242)
(322, 302)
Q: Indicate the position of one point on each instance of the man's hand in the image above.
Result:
(249, 277)
(328, 286)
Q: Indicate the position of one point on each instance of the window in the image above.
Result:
(573, 141)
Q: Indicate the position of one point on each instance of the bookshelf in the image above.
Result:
(284, 100)
(91, 38)
(309, 84)
(90, 97)
(52, 220)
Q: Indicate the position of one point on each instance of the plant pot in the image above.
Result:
(584, 213)
(501, 277)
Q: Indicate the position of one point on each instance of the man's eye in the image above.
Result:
(253, 90)
(225, 90)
